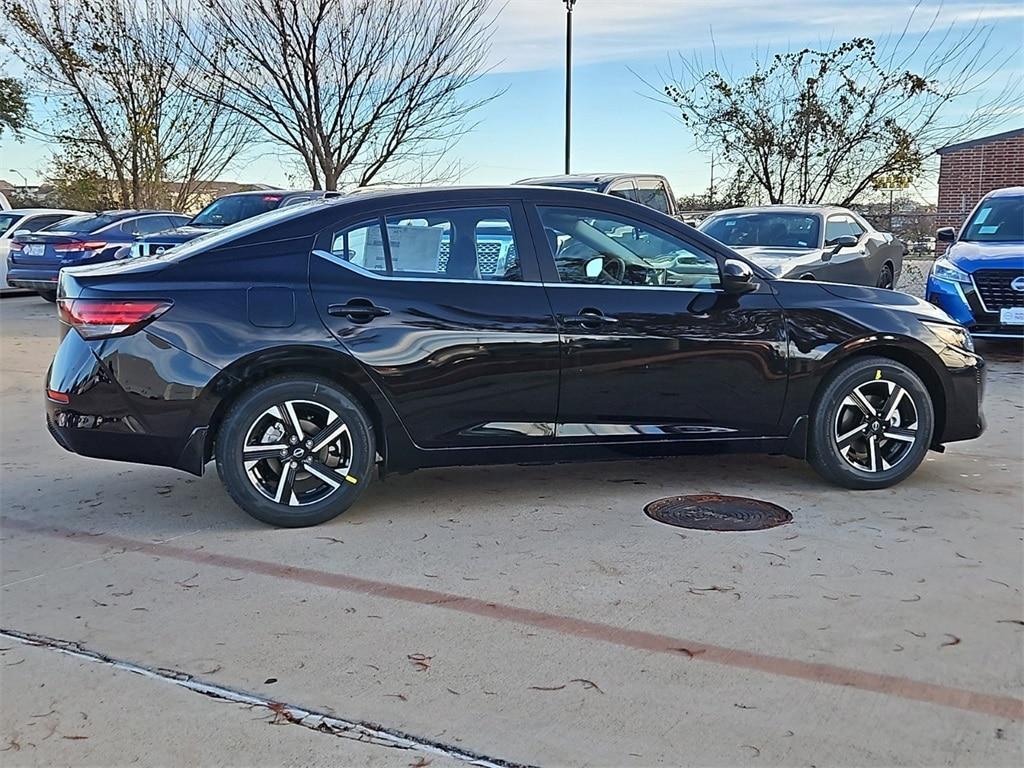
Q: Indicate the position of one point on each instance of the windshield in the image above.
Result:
(7, 221)
(997, 220)
(235, 208)
(81, 224)
(778, 230)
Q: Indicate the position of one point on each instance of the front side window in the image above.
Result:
(997, 220)
(652, 194)
(837, 226)
(624, 189)
(598, 248)
(453, 243)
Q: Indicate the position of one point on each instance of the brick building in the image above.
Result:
(970, 169)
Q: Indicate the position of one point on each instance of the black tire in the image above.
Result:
(310, 396)
(50, 296)
(887, 278)
(834, 414)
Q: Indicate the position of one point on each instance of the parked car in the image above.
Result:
(645, 188)
(810, 242)
(979, 280)
(4, 205)
(222, 212)
(25, 220)
(90, 238)
(348, 344)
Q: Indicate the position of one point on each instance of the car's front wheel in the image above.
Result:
(295, 451)
(872, 424)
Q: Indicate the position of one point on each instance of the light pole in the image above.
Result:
(24, 181)
(568, 79)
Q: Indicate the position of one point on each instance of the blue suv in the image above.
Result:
(979, 280)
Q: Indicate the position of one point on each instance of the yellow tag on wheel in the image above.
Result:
(351, 479)
(878, 374)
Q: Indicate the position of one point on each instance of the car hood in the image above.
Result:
(887, 298)
(779, 261)
(970, 256)
(177, 235)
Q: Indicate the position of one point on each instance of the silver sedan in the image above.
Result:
(810, 243)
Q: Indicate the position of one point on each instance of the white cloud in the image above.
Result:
(530, 33)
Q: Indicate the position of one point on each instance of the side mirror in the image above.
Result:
(838, 243)
(738, 277)
(945, 235)
(595, 266)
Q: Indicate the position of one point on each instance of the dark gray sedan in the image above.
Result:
(810, 242)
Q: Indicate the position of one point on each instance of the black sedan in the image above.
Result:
(364, 335)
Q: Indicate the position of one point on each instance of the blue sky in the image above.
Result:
(617, 126)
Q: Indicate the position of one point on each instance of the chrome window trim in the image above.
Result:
(326, 255)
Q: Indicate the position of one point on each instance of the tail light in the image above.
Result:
(79, 247)
(103, 318)
(16, 246)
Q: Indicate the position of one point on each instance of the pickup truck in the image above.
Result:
(645, 188)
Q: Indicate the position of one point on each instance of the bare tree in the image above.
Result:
(814, 126)
(352, 87)
(123, 99)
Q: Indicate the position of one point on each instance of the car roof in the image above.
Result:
(592, 178)
(37, 211)
(797, 209)
(278, 192)
(1006, 192)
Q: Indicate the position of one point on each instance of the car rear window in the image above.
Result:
(81, 224)
(235, 208)
(780, 230)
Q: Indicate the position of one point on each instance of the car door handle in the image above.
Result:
(589, 317)
(358, 310)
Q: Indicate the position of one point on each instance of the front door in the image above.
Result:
(653, 348)
(445, 311)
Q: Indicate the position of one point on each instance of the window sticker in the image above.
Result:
(989, 229)
(414, 249)
(982, 215)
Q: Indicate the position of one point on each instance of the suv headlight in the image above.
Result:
(944, 269)
(953, 335)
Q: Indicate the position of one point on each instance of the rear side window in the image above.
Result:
(626, 190)
(453, 244)
(837, 226)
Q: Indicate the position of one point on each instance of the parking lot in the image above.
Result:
(515, 616)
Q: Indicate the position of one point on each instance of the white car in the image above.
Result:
(25, 220)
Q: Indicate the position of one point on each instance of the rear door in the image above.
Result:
(444, 308)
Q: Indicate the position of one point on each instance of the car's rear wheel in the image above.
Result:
(50, 296)
(872, 425)
(295, 451)
(887, 277)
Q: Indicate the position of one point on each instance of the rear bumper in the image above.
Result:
(134, 399)
(33, 278)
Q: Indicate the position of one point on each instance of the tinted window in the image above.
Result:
(146, 225)
(593, 247)
(235, 208)
(652, 194)
(362, 245)
(779, 230)
(454, 244)
(997, 220)
(39, 222)
(83, 224)
(7, 220)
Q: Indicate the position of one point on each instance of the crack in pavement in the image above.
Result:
(283, 712)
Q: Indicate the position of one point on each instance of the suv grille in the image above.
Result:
(994, 287)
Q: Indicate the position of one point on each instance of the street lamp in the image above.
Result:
(24, 181)
(568, 78)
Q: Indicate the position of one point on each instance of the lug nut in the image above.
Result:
(309, 443)
(293, 440)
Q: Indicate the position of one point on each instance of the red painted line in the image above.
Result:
(905, 688)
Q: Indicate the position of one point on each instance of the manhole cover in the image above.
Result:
(717, 513)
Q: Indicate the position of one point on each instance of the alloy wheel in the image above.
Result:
(297, 452)
(876, 426)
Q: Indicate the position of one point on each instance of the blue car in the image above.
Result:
(36, 258)
(979, 280)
